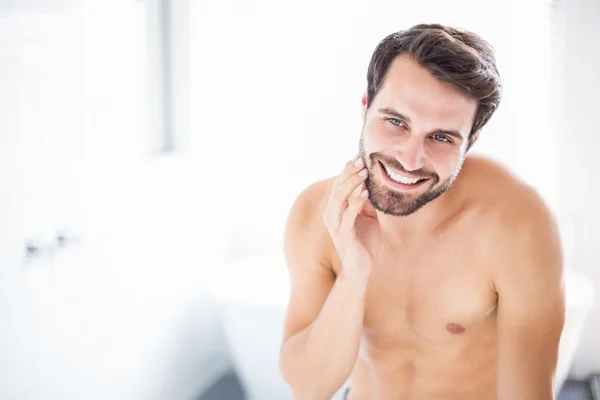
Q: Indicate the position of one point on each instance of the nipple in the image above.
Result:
(455, 328)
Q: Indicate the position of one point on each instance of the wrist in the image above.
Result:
(355, 279)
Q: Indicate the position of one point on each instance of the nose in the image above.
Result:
(411, 154)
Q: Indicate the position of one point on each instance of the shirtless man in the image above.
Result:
(410, 280)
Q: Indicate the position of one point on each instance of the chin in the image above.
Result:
(391, 201)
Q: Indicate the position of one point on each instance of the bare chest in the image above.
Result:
(435, 293)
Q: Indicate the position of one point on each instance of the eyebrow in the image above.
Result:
(394, 113)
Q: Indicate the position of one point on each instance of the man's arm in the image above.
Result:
(324, 319)
(531, 302)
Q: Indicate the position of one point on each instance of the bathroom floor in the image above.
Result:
(229, 388)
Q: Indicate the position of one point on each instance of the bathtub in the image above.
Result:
(253, 294)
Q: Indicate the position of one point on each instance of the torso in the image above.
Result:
(430, 314)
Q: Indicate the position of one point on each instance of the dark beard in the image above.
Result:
(394, 203)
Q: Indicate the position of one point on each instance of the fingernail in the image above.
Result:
(362, 173)
(359, 162)
(364, 193)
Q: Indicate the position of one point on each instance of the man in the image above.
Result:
(410, 280)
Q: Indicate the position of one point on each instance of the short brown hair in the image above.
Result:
(452, 55)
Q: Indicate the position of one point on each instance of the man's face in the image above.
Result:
(414, 139)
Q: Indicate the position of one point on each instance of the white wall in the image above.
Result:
(579, 141)
(39, 113)
(153, 214)
(125, 315)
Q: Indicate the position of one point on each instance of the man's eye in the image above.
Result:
(440, 138)
(396, 122)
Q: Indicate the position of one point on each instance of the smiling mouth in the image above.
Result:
(399, 178)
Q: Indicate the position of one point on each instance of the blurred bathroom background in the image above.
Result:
(150, 151)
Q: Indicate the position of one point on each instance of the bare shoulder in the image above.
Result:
(487, 177)
(514, 219)
(305, 231)
(308, 207)
(499, 194)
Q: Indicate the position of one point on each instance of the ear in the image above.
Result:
(364, 101)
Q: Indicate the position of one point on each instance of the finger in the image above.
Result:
(353, 166)
(341, 190)
(359, 189)
(341, 194)
(338, 202)
(354, 207)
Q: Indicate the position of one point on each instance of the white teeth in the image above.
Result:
(400, 178)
